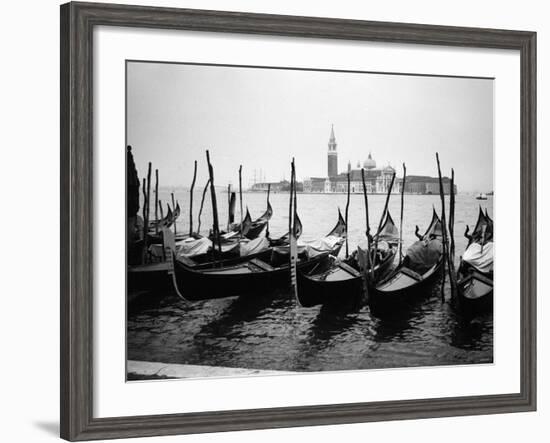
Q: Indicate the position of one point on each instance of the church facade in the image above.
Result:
(377, 180)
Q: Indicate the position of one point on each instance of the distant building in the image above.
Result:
(332, 155)
(422, 184)
(377, 180)
(282, 186)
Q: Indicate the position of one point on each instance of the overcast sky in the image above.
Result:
(261, 118)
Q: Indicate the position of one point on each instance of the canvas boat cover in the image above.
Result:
(191, 247)
(320, 246)
(254, 246)
(423, 254)
(480, 257)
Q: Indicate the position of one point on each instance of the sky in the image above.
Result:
(260, 118)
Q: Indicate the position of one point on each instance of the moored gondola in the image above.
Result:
(419, 269)
(331, 282)
(284, 239)
(341, 282)
(475, 273)
(388, 240)
(267, 269)
(258, 225)
(251, 229)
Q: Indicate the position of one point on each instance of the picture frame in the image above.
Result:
(77, 214)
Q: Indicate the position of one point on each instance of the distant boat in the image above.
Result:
(481, 196)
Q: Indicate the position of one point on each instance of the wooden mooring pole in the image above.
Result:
(161, 210)
(267, 225)
(191, 200)
(446, 261)
(241, 199)
(347, 213)
(175, 219)
(148, 193)
(145, 224)
(401, 216)
(157, 201)
(216, 226)
(452, 270)
(367, 232)
(228, 206)
(202, 204)
(378, 229)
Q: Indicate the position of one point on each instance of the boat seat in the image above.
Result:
(410, 273)
(261, 264)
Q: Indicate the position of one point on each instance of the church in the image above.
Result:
(377, 180)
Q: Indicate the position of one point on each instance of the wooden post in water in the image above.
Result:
(228, 206)
(214, 203)
(157, 201)
(267, 225)
(291, 202)
(293, 246)
(347, 213)
(452, 270)
(147, 204)
(401, 218)
(202, 204)
(443, 227)
(241, 199)
(367, 232)
(161, 210)
(145, 226)
(191, 200)
(175, 219)
(378, 229)
(149, 193)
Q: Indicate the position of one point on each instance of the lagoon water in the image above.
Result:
(269, 331)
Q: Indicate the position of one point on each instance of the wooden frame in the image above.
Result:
(77, 23)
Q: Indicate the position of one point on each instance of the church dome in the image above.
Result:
(369, 163)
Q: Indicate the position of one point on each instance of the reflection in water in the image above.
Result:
(327, 326)
(269, 331)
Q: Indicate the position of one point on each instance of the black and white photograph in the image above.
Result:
(289, 220)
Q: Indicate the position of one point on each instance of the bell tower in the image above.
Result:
(332, 155)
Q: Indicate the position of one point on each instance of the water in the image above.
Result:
(269, 331)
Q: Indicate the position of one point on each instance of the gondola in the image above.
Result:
(331, 282)
(251, 229)
(234, 230)
(411, 278)
(475, 272)
(340, 282)
(155, 226)
(284, 239)
(388, 241)
(258, 225)
(266, 270)
(234, 251)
